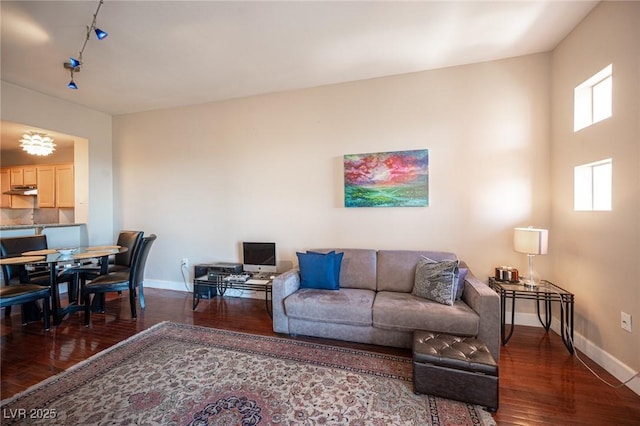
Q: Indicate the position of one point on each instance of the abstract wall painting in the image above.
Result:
(387, 179)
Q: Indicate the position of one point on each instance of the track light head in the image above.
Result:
(101, 34)
(69, 66)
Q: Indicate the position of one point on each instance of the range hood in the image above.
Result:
(22, 190)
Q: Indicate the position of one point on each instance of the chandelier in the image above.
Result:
(37, 143)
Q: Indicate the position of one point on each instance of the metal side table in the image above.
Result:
(545, 292)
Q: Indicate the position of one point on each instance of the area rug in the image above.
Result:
(175, 374)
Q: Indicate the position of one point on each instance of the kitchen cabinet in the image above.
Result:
(29, 176)
(23, 175)
(65, 188)
(46, 186)
(5, 185)
(55, 184)
(15, 176)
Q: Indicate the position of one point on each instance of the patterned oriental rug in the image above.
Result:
(174, 374)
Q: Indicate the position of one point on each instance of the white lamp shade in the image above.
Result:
(530, 240)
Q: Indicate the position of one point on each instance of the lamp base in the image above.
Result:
(531, 279)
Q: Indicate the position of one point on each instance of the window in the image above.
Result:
(593, 99)
(592, 186)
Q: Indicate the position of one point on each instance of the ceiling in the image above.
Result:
(163, 54)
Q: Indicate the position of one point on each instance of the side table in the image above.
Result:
(545, 292)
(220, 284)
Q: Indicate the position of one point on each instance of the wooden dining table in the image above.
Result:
(61, 261)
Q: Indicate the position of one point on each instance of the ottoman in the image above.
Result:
(454, 367)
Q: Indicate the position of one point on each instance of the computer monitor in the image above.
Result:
(259, 257)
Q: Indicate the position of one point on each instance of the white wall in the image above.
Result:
(25, 106)
(596, 255)
(206, 177)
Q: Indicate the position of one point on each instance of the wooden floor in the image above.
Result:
(540, 382)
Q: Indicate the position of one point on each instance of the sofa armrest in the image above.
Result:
(486, 302)
(284, 285)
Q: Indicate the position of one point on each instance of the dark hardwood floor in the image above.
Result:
(540, 382)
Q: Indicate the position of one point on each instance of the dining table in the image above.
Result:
(66, 261)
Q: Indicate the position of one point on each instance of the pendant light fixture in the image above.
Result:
(74, 64)
(35, 143)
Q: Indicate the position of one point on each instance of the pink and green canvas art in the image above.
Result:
(387, 179)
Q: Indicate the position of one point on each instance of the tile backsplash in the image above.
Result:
(35, 216)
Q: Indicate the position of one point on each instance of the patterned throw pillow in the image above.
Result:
(436, 280)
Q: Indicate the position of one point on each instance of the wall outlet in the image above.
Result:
(625, 321)
(184, 263)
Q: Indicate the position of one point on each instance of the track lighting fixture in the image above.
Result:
(74, 64)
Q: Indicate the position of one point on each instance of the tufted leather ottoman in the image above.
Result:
(454, 367)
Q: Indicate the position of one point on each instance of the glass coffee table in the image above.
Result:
(546, 292)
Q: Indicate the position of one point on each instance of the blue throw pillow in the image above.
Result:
(337, 263)
(462, 275)
(318, 270)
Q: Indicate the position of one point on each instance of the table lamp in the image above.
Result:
(532, 242)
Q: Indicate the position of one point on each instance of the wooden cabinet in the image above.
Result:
(46, 186)
(55, 184)
(23, 175)
(15, 176)
(65, 188)
(5, 185)
(29, 176)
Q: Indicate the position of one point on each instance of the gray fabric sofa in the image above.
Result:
(374, 303)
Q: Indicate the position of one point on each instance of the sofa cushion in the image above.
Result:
(319, 270)
(358, 267)
(344, 306)
(436, 281)
(397, 268)
(406, 312)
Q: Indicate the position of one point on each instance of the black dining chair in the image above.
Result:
(121, 262)
(36, 274)
(121, 281)
(20, 294)
(15, 246)
(14, 275)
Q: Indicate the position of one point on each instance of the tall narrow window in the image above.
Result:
(592, 186)
(593, 99)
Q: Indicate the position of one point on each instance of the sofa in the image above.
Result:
(374, 303)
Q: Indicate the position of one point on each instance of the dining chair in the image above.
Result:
(20, 294)
(14, 275)
(121, 281)
(121, 262)
(15, 246)
(36, 274)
